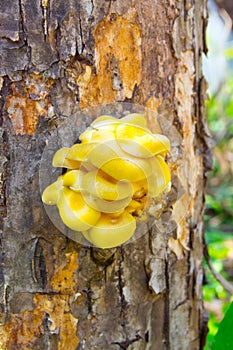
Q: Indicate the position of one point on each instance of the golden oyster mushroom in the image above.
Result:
(153, 185)
(153, 189)
(140, 186)
(75, 212)
(127, 169)
(135, 119)
(129, 130)
(103, 128)
(51, 193)
(132, 118)
(73, 179)
(162, 172)
(112, 174)
(116, 214)
(133, 206)
(139, 142)
(104, 120)
(102, 153)
(60, 160)
(88, 166)
(80, 151)
(109, 233)
(112, 160)
(105, 206)
(100, 131)
(159, 180)
(101, 185)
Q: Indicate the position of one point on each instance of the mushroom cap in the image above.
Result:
(135, 119)
(104, 120)
(80, 151)
(73, 179)
(127, 169)
(51, 193)
(132, 118)
(162, 176)
(101, 185)
(140, 185)
(60, 160)
(109, 233)
(103, 133)
(133, 205)
(156, 183)
(105, 206)
(140, 142)
(116, 163)
(75, 212)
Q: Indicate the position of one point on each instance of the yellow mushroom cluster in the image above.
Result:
(109, 177)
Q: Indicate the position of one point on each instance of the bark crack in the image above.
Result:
(124, 345)
(22, 29)
(45, 9)
(39, 265)
(103, 257)
(93, 6)
(51, 337)
(7, 290)
(4, 160)
(4, 170)
(120, 287)
(180, 304)
(81, 32)
(123, 305)
(110, 4)
(89, 295)
(166, 324)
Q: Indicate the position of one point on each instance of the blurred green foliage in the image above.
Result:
(224, 338)
(219, 207)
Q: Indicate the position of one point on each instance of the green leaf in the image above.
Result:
(224, 338)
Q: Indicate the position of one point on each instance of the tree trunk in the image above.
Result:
(58, 57)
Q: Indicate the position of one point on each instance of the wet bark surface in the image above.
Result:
(58, 57)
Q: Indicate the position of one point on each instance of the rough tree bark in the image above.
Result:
(60, 56)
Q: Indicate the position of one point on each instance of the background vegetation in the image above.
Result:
(219, 208)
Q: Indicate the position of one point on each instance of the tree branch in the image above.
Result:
(226, 285)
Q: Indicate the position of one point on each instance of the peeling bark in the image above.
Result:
(58, 57)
